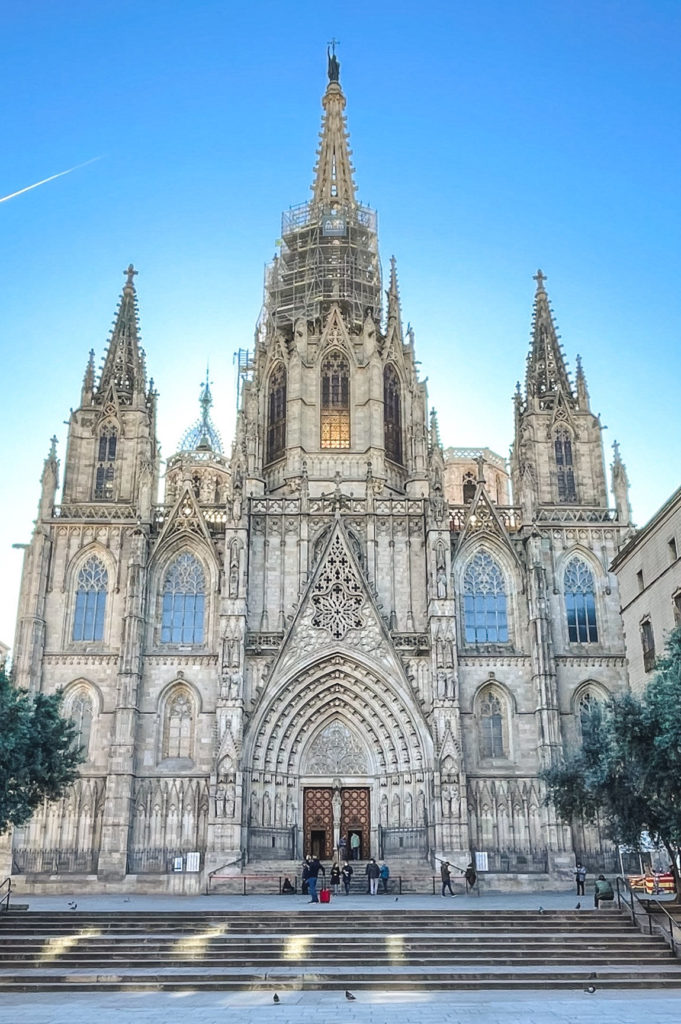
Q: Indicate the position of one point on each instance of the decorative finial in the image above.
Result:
(131, 273)
(616, 451)
(53, 447)
(334, 66)
(539, 277)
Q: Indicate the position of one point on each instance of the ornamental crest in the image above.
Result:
(337, 595)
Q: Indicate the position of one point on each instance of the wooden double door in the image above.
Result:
(318, 820)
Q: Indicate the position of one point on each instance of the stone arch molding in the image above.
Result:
(338, 691)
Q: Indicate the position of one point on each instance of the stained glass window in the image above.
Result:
(183, 602)
(484, 601)
(491, 725)
(276, 413)
(106, 455)
(564, 469)
(580, 603)
(91, 587)
(392, 414)
(335, 409)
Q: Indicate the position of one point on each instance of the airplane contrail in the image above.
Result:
(51, 178)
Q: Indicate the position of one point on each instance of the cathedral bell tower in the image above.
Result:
(557, 454)
(334, 388)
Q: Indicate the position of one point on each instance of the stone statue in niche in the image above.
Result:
(234, 571)
(277, 811)
(408, 808)
(384, 811)
(255, 810)
(290, 811)
(441, 583)
(421, 807)
(220, 800)
(230, 800)
(267, 810)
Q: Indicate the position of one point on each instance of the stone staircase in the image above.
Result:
(323, 948)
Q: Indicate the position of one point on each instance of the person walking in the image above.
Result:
(385, 875)
(335, 878)
(354, 845)
(446, 876)
(373, 873)
(346, 872)
(580, 877)
(603, 891)
(314, 867)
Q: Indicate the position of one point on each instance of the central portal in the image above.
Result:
(318, 821)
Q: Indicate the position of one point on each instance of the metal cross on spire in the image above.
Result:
(334, 66)
(539, 277)
(131, 273)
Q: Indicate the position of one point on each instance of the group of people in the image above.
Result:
(469, 874)
(603, 890)
(313, 868)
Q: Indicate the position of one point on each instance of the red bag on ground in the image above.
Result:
(324, 895)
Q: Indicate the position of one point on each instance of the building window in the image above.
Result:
(178, 726)
(276, 413)
(580, 603)
(335, 411)
(106, 456)
(564, 469)
(676, 600)
(639, 581)
(468, 488)
(484, 601)
(183, 602)
(587, 702)
(81, 716)
(648, 645)
(671, 544)
(491, 725)
(392, 414)
(88, 620)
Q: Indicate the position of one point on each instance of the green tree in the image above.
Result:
(628, 769)
(38, 754)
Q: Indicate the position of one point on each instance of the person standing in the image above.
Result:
(385, 875)
(346, 872)
(354, 845)
(446, 876)
(314, 867)
(580, 877)
(305, 874)
(373, 873)
(334, 878)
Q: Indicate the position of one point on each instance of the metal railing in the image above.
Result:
(272, 843)
(5, 898)
(394, 841)
(667, 921)
(28, 860)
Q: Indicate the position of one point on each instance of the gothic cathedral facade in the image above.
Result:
(338, 628)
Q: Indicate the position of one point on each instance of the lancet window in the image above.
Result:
(468, 488)
(106, 457)
(178, 726)
(565, 474)
(335, 406)
(392, 414)
(648, 645)
(580, 603)
(91, 589)
(484, 601)
(81, 715)
(586, 706)
(491, 724)
(276, 413)
(183, 602)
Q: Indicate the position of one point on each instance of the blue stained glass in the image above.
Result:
(484, 602)
(580, 602)
(88, 618)
(183, 602)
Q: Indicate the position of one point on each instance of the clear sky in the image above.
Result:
(493, 138)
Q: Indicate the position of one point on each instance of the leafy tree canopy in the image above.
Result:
(38, 755)
(628, 770)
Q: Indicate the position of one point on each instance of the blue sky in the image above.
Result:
(493, 138)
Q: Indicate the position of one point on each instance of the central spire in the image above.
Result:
(547, 374)
(333, 184)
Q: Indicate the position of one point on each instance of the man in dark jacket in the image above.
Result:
(373, 874)
(314, 866)
(603, 891)
(446, 877)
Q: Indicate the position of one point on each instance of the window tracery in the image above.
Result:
(81, 714)
(564, 468)
(276, 413)
(491, 713)
(183, 602)
(106, 456)
(484, 601)
(335, 404)
(178, 726)
(91, 591)
(392, 414)
(580, 602)
(337, 595)
(648, 645)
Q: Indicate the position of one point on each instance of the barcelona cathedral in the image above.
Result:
(339, 626)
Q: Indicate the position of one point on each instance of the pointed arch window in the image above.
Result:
(276, 413)
(468, 488)
(580, 603)
(392, 414)
(335, 410)
(484, 601)
(106, 457)
(491, 723)
(565, 473)
(81, 714)
(183, 602)
(585, 709)
(648, 645)
(91, 590)
(178, 726)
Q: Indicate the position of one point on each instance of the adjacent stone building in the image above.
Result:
(339, 627)
(648, 571)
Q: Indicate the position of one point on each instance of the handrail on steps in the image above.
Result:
(4, 900)
(645, 907)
